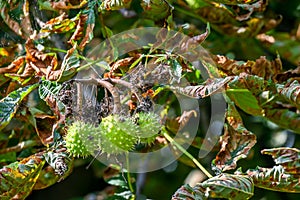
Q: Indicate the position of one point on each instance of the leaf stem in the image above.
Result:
(196, 162)
(128, 174)
(21, 146)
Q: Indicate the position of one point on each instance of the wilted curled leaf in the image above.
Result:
(258, 6)
(225, 22)
(60, 24)
(42, 63)
(290, 92)
(79, 31)
(66, 5)
(235, 143)
(115, 4)
(18, 178)
(275, 178)
(235, 2)
(288, 158)
(187, 192)
(260, 67)
(210, 87)
(22, 27)
(84, 29)
(43, 126)
(229, 186)
(14, 66)
(285, 76)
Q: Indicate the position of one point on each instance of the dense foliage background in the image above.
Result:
(255, 45)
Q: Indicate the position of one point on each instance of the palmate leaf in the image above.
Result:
(18, 178)
(10, 104)
(235, 143)
(229, 186)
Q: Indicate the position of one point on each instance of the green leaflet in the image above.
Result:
(245, 100)
(71, 60)
(229, 186)
(10, 104)
(123, 192)
(18, 178)
(49, 89)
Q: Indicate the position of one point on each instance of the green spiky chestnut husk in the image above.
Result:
(149, 127)
(80, 139)
(117, 135)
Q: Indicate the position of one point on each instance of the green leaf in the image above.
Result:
(8, 157)
(10, 104)
(245, 100)
(71, 59)
(117, 180)
(229, 186)
(196, 3)
(18, 178)
(49, 89)
(176, 70)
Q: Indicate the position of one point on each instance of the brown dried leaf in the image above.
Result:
(284, 76)
(14, 66)
(66, 5)
(24, 28)
(122, 64)
(43, 64)
(225, 22)
(259, 6)
(44, 127)
(88, 36)
(260, 67)
(60, 24)
(235, 143)
(79, 31)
